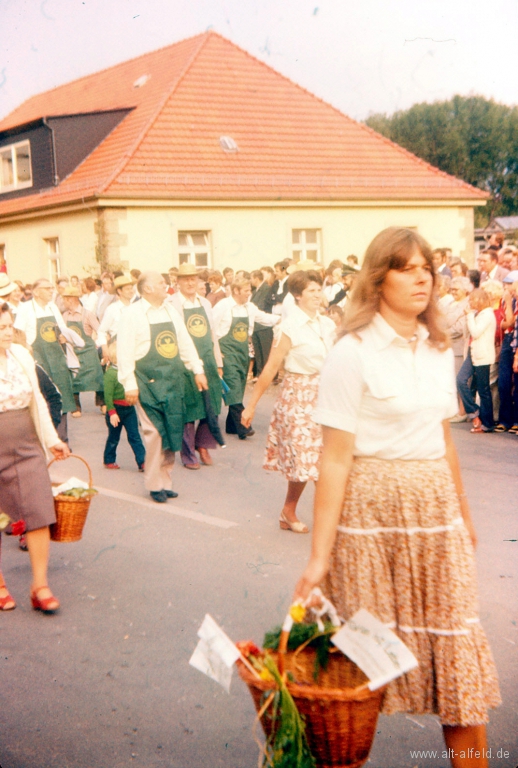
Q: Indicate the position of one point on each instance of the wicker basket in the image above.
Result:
(70, 513)
(339, 710)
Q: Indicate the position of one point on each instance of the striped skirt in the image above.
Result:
(294, 440)
(403, 552)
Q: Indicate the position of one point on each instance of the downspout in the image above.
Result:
(54, 158)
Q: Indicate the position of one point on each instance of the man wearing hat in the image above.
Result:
(154, 348)
(197, 314)
(89, 376)
(125, 292)
(348, 277)
(6, 289)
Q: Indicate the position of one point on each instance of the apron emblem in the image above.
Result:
(240, 332)
(197, 326)
(48, 331)
(166, 345)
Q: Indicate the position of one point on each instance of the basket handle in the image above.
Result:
(75, 456)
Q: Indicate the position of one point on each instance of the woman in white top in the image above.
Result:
(392, 528)
(294, 439)
(481, 355)
(25, 491)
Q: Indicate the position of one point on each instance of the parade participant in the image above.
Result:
(279, 287)
(217, 292)
(197, 314)
(481, 355)
(106, 295)
(89, 377)
(124, 288)
(10, 292)
(44, 329)
(153, 346)
(262, 336)
(392, 529)
(234, 319)
(294, 439)
(25, 490)
(119, 414)
(89, 298)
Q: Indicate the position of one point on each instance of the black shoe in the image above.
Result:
(243, 436)
(171, 494)
(159, 496)
(250, 432)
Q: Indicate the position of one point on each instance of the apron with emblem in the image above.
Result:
(89, 377)
(160, 374)
(234, 348)
(198, 326)
(50, 355)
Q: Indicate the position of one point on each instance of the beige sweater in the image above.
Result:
(39, 411)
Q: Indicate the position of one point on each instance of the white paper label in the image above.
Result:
(215, 653)
(379, 653)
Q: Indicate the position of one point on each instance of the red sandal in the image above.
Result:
(4, 601)
(44, 604)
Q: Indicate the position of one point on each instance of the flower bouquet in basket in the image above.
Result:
(317, 707)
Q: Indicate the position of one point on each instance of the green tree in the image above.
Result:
(473, 138)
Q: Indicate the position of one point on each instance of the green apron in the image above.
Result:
(160, 376)
(49, 354)
(89, 377)
(198, 326)
(234, 348)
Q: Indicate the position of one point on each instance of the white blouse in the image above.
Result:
(15, 387)
(391, 398)
(311, 341)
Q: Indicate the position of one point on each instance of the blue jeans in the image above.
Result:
(480, 376)
(128, 419)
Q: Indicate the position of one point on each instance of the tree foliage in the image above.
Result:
(473, 138)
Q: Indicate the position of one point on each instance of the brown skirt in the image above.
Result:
(403, 553)
(25, 490)
(294, 440)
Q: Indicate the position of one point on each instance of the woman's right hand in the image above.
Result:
(60, 451)
(312, 577)
(246, 416)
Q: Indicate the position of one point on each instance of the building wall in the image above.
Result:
(26, 251)
(248, 238)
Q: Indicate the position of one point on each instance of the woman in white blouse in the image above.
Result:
(25, 490)
(294, 439)
(392, 528)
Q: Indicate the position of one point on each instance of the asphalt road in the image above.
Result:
(106, 682)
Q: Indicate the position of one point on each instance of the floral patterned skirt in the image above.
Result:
(402, 551)
(294, 440)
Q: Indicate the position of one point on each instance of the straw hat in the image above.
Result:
(187, 270)
(6, 286)
(302, 266)
(72, 290)
(123, 280)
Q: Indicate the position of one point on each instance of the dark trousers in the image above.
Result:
(507, 385)
(233, 425)
(193, 439)
(128, 419)
(480, 376)
(262, 342)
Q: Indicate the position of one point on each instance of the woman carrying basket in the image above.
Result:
(392, 528)
(25, 490)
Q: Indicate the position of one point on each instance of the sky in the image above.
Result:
(362, 57)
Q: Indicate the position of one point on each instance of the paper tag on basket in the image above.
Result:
(73, 482)
(215, 653)
(374, 648)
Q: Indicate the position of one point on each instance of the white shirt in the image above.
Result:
(110, 322)
(134, 339)
(89, 301)
(391, 398)
(228, 308)
(330, 291)
(482, 329)
(30, 311)
(277, 308)
(181, 302)
(287, 305)
(311, 341)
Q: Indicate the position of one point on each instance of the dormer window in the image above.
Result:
(15, 166)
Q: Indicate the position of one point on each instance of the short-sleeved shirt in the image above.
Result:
(311, 340)
(393, 399)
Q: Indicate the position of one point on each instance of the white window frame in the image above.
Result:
(16, 184)
(53, 254)
(191, 251)
(302, 247)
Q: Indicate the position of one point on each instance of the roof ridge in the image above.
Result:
(140, 138)
(105, 69)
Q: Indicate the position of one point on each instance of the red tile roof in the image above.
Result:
(291, 145)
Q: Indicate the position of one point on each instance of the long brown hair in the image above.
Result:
(391, 249)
